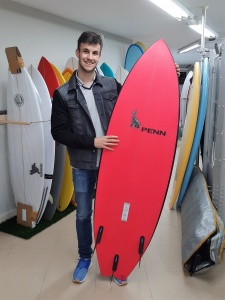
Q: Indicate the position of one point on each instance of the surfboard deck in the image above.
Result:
(134, 52)
(185, 92)
(106, 70)
(144, 48)
(25, 142)
(198, 130)
(67, 186)
(72, 63)
(188, 135)
(52, 82)
(121, 74)
(67, 72)
(133, 179)
(49, 143)
(67, 183)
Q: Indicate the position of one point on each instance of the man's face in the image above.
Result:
(88, 56)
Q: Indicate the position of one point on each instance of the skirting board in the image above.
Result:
(8, 215)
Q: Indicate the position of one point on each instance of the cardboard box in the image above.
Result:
(25, 215)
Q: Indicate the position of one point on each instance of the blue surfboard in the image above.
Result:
(198, 130)
(106, 70)
(134, 52)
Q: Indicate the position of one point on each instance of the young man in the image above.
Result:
(81, 111)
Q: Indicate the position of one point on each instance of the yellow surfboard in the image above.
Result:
(188, 134)
(67, 184)
(67, 73)
(144, 48)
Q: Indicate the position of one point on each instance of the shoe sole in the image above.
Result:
(81, 281)
(120, 284)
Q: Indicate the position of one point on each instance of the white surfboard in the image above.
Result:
(25, 142)
(184, 98)
(72, 63)
(49, 144)
(121, 74)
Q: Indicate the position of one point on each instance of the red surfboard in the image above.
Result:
(47, 72)
(52, 82)
(134, 178)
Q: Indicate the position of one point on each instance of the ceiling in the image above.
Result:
(140, 20)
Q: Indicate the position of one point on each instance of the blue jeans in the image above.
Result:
(84, 184)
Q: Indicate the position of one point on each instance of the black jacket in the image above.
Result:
(71, 123)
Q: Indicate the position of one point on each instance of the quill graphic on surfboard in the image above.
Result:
(25, 143)
(134, 178)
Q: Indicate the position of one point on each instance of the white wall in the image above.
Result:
(38, 34)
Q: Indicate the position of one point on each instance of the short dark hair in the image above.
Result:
(90, 37)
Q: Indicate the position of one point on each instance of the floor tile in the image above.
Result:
(20, 287)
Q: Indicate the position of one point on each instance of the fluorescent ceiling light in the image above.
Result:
(174, 8)
(190, 47)
(208, 32)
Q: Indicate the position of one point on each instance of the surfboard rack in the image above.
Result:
(3, 114)
(3, 120)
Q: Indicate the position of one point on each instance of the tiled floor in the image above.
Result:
(41, 268)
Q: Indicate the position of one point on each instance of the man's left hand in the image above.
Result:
(177, 69)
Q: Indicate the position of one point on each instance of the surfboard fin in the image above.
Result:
(99, 236)
(141, 248)
(114, 266)
(50, 198)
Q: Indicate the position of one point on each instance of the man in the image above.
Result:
(81, 112)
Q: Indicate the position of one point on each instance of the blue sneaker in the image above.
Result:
(120, 282)
(80, 272)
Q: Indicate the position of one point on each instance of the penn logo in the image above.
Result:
(135, 123)
(153, 131)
